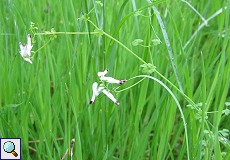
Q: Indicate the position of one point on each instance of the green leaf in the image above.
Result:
(156, 42)
(100, 32)
(227, 104)
(204, 143)
(137, 13)
(207, 132)
(53, 35)
(52, 30)
(198, 105)
(156, 12)
(137, 42)
(33, 28)
(33, 40)
(148, 68)
(13, 105)
(99, 3)
(224, 132)
(226, 112)
(198, 116)
(84, 17)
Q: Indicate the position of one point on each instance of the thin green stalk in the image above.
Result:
(125, 47)
(177, 102)
(185, 96)
(198, 13)
(67, 33)
(203, 25)
(106, 34)
(130, 86)
(93, 24)
(168, 45)
(41, 47)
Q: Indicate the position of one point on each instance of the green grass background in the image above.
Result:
(50, 98)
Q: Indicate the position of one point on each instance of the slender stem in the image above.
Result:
(168, 45)
(93, 24)
(91, 10)
(67, 33)
(130, 86)
(203, 19)
(186, 97)
(106, 34)
(212, 112)
(178, 105)
(42, 46)
(204, 24)
(145, 46)
(125, 47)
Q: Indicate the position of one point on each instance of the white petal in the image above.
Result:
(96, 91)
(28, 60)
(100, 88)
(112, 80)
(26, 48)
(94, 87)
(22, 49)
(110, 96)
(21, 46)
(102, 74)
(29, 46)
(92, 99)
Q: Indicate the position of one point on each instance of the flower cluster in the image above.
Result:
(97, 89)
(25, 49)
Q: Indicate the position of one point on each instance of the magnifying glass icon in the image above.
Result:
(9, 147)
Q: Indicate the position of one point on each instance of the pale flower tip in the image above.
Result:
(122, 81)
(28, 60)
(102, 74)
(117, 103)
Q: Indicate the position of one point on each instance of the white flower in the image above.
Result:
(102, 77)
(96, 91)
(101, 88)
(25, 49)
(112, 80)
(110, 96)
(102, 74)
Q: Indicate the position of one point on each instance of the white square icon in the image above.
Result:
(10, 148)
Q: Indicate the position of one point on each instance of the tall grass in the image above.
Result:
(47, 103)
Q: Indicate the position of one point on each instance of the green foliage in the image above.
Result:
(226, 112)
(99, 3)
(137, 42)
(99, 32)
(52, 34)
(156, 42)
(147, 68)
(138, 13)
